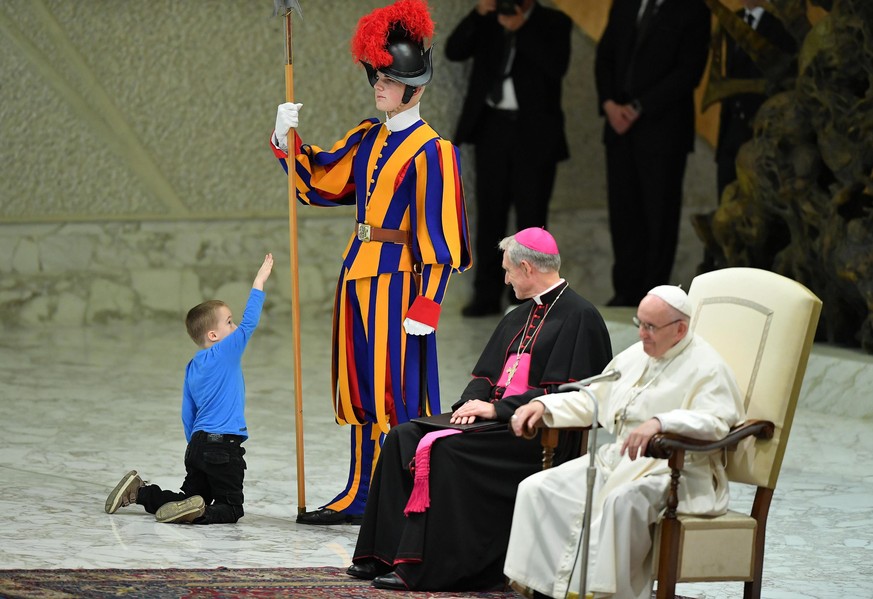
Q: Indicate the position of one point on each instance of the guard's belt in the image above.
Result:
(369, 233)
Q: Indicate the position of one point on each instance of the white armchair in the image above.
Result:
(763, 324)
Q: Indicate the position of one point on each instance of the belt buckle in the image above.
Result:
(364, 231)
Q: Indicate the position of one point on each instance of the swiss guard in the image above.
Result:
(409, 237)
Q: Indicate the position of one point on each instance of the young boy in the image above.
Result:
(213, 416)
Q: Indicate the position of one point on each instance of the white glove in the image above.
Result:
(413, 327)
(287, 118)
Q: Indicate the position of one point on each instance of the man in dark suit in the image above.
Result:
(649, 60)
(512, 114)
(738, 112)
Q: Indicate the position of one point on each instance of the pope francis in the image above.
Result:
(672, 381)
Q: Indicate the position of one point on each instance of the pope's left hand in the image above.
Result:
(638, 440)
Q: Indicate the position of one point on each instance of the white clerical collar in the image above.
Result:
(538, 297)
(403, 120)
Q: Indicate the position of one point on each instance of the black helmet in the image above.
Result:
(410, 64)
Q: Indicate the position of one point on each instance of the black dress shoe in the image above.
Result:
(478, 308)
(390, 581)
(368, 569)
(327, 516)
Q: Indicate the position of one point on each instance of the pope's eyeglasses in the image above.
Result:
(651, 328)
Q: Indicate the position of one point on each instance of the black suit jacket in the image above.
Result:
(737, 112)
(542, 56)
(660, 70)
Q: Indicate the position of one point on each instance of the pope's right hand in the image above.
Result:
(287, 117)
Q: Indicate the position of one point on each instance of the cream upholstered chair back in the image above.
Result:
(763, 325)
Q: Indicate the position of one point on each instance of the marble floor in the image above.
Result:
(81, 406)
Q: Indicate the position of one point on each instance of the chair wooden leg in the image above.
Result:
(760, 511)
(549, 441)
(548, 457)
(666, 566)
(668, 562)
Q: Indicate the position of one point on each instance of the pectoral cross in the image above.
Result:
(620, 419)
(511, 372)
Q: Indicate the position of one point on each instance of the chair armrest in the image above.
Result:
(672, 447)
(549, 435)
(663, 445)
(549, 440)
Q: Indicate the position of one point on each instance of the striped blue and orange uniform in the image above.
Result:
(409, 181)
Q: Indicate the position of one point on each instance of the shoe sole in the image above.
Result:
(346, 519)
(113, 502)
(393, 585)
(181, 511)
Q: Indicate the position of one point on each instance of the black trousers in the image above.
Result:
(510, 175)
(215, 470)
(644, 181)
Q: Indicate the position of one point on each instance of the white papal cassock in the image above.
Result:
(691, 391)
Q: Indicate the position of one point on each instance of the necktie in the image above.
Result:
(646, 18)
(496, 93)
(750, 19)
(642, 24)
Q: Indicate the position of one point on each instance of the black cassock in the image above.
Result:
(459, 542)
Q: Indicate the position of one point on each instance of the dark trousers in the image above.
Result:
(644, 181)
(215, 471)
(510, 174)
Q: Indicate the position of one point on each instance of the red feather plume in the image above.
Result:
(371, 36)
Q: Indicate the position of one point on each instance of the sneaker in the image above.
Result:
(124, 493)
(183, 511)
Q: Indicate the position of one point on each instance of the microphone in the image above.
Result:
(609, 375)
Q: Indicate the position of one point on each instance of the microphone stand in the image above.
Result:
(585, 540)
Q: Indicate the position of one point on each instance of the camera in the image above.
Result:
(507, 7)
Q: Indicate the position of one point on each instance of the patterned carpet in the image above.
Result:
(220, 583)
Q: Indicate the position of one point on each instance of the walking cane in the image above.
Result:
(585, 540)
(286, 8)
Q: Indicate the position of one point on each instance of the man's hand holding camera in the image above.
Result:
(509, 12)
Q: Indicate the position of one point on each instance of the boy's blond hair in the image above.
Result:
(201, 319)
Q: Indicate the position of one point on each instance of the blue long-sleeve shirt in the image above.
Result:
(214, 392)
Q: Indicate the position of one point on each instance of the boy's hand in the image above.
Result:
(263, 272)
